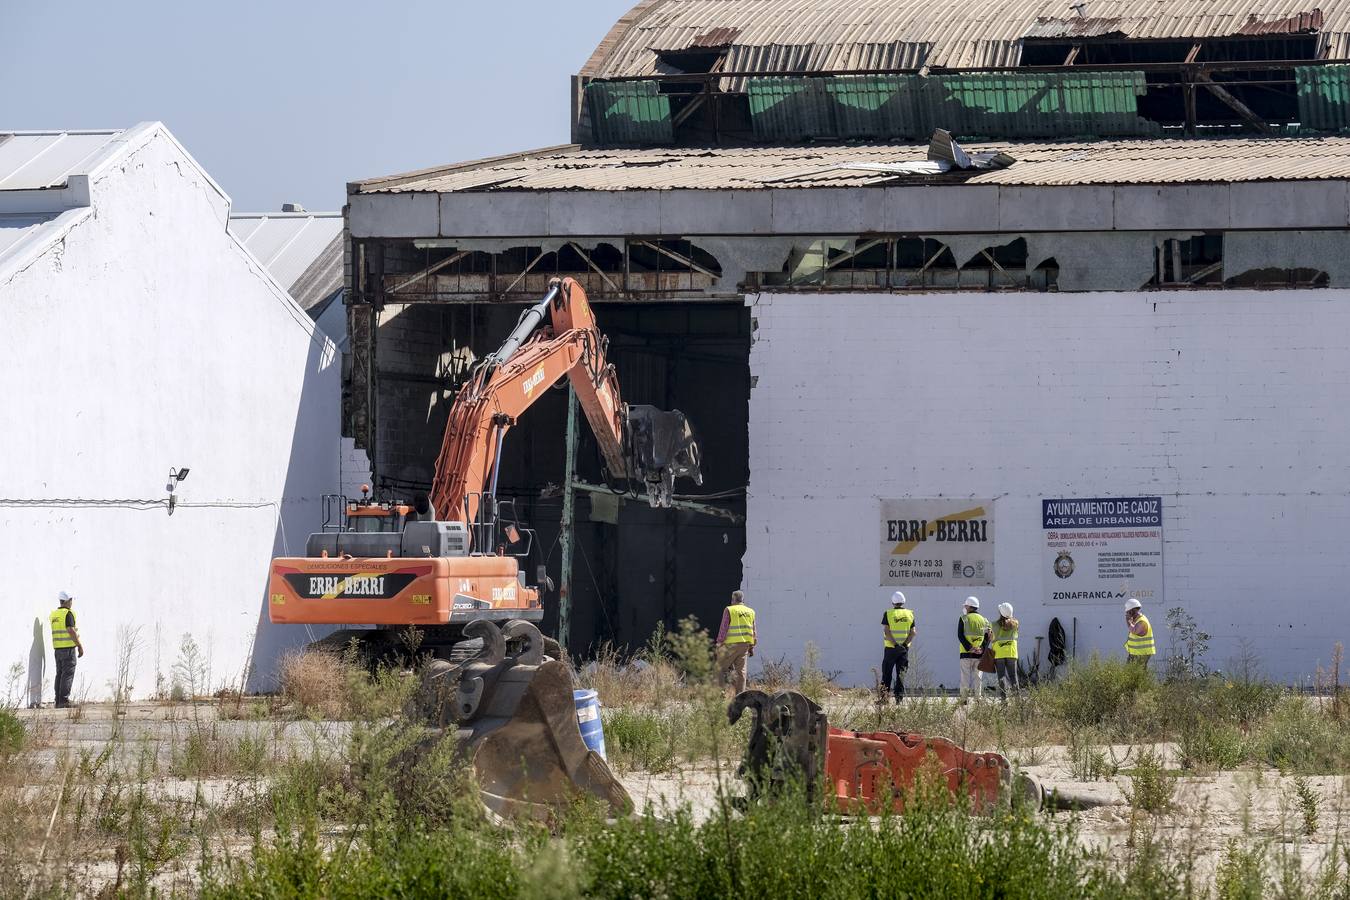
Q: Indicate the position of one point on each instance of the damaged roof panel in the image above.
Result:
(843, 35)
(1038, 163)
(303, 251)
(1080, 27)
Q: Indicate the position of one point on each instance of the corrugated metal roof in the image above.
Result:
(824, 35)
(303, 251)
(1049, 163)
(33, 160)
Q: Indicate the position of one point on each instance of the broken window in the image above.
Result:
(873, 262)
(1188, 262)
(1208, 86)
(1280, 278)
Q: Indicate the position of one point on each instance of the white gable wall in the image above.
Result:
(1230, 405)
(146, 339)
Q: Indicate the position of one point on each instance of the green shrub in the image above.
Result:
(1300, 738)
(692, 651)
(1307, 804)
(1097, 693)
(1151, 786)
(1203, 744)
(638, 739)
(12, 733)
(1241, 874)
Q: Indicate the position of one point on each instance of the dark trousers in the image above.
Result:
(894, 662)
(1006, 670)
(65, 674)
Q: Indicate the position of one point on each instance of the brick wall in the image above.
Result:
(1228, 404)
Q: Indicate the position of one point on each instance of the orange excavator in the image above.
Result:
(448, 564)
(453, 558)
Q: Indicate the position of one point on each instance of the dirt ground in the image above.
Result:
(1208, 811)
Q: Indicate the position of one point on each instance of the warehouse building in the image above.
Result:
(1093, 347)
(172, 417)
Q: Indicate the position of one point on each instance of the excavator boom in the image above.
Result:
(533, 358)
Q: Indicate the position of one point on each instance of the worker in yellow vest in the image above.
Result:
(66, 646)
(897, 633)
(1139, 646)
(972, 631)
(736, 641)
(1005, 650)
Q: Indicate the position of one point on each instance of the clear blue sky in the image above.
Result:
(290, 100)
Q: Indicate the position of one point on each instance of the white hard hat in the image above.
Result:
(1005, 610)
(898, 598)
(1132, 604)
(64, 597)
(973, 602)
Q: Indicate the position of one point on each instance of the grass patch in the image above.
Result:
(210, 751)
(1300, 738)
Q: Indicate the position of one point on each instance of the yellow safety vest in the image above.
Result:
(1141, 644)
(975, 626)
(61, 639)
(740, 624)
(901, 621)
(1005, 641)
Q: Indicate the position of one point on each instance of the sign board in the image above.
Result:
(938, 543)
(1102, 550)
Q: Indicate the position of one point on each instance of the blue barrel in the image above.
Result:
(588, 718)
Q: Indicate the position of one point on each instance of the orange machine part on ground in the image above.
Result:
(792, 745)
(868, 769)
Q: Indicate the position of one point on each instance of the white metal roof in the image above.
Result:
(36, 160)
(16, 228)
(303, 251)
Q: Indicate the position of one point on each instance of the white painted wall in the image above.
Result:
(353, 463)
(1231, 405)
(149, 339)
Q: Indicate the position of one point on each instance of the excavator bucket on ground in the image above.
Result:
(513, 710)
(791, 741)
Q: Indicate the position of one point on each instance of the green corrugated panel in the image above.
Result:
(1323, 97)
(790, 109)
(1041, 105)
(974, 105)
(878, 106)
(629, 112)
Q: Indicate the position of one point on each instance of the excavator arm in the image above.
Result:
(638, 443)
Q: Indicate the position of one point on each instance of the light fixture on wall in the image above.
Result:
(176, 476)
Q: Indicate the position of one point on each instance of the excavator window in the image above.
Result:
(386, 521)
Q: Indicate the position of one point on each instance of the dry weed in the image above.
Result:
(315, 682)
(636, 681)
